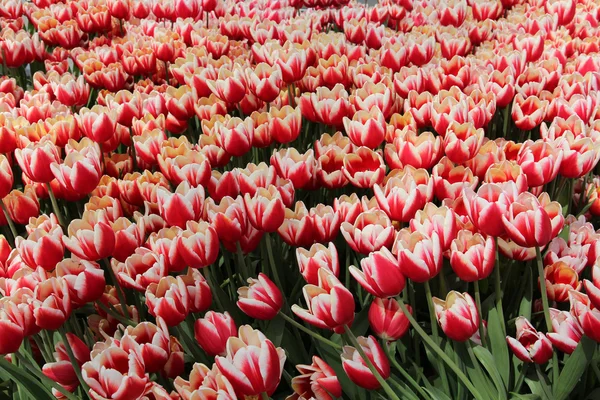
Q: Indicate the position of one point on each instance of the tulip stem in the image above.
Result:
(436, 335)
(482, 334)
(440, 353)
(309, 332)
(540, 265)
(241, 261)
(403, 372)
(542, 381)
(11, 223)
(273, 264)
(38, 374)
(413, 304)
(55, 208)
(386, 388)
(76, 366)
(264, 396)
(498, 288)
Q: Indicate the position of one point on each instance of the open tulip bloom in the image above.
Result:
(299, 199)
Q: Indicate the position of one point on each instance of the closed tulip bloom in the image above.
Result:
(586, 314)
(11, 330)
(230, 86)
(248, 353)
(62, 370)
(387, 319)
(457, 315)
(236, 135)
(400, 197)
(420, 255)
(449, 179)
(371, 231)
(295, 166)
(487, 207)
(228, 218)
(592, 287)
(222, 185)
(91, 237)
(422, 150)
(80, 172)
(329, 305)
(560, 279)
(6, 176)
(380, 274)
(364, 167)
(35, 160)
(212, 332)
(566, 332)
(199, 293)
(97, 123)
(198, 244)
(265, 209)
(529, 346)
(366, 128)
(184, 205)
(356, 368)
(316, 381)
(580, 155)
(472, 256)
(442, 220)
(115, 374)
(284, 123)
(297, 227)
(128, 237)
(532, 221)
(168, 299)
(42, 248)
(315, 258)
(540, 161)
(52, 305)
(462, 141)
(264, 81)
(262, 299)
(192, 167)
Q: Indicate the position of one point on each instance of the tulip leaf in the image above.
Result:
(275, 330)
(489, 363)
(517, 396)
(595, 394)
(499, 347)
(574, 368)
(525, 307)
(475, 373)
(27, 382)
(360, 325)
(436, 393)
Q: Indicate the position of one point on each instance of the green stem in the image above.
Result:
(38, 374)
(310, 333)
(545, 387)
(241, 261)
(439, 352)
(263, 395)
(386, 388)
(540, 265)
(521, 378)
(498, 288)
(115, 314)
(11, 223)
(413, 304)
(482, 334)
(436, 335)
(506, 120)
(571, 189)
(273, 265)
(403, 372)
(55, 207)
(76, 366)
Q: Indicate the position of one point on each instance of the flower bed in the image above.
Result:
(287, 199)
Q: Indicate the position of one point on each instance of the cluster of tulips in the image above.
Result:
(288, 199)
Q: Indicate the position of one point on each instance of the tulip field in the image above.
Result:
(300, 199)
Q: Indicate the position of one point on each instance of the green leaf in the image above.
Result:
(332, 357)
(595, 394)
(437, 394)
(575, 366)
(525, 307)
(27, 382)
(360, 325)
(565, 233)
(275, 330)
(515, 396)
(500, 353)
(489, 363)
(480, 380)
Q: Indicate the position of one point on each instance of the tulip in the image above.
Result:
(442, 220)
(164, 242)
(462, 141)
(417, 150)
(213, 331)
(297, 227)
(298, 168)
(420, 256)
(52, 305)
(6, 176)
(317, 257)
(401, 196)
(472, 256)
(265, 209)
(487, 207)
(318, 381)
(528, 113)
(532, 221)
(356, 368)
(168, 299)
(380, 274)
(329, 169)
(140, 269)
(449, 179)
(530, 345)
(36, 158)
(363, 168)
(42, 248)
(284, 123)
(228, 218)
(566, 332)
(371, 231)
(387, 319)
(85, 280)
(198, 244)
(184, 205)
(192, 167)
(366, 128)
(264, 81)
(127, 368)
(97, 123)
(236, 135)
(248, 353)
(229, 86)
(586, 314)
(329, 305)
(91, 237)
(540, 162)
(80, 172)
(11, 330)
(560, 279)
(262, 299)
(62, 371)
(149, 342)
(457, 315)
(199, 293)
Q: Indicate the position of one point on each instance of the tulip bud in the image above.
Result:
(168, 299)
(420, 256)
(530, 345)
(262, 299)
(566, 331)
(317, 257)
(212, 332)
(457, 315)
(265, 209)
(380, 274)
(356, 368)
(387, 319)
(472, 256)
